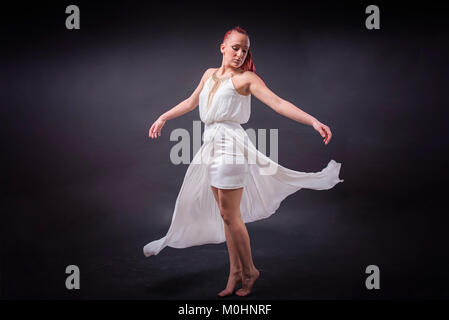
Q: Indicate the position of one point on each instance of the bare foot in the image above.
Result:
(248, 283)
(233, 280)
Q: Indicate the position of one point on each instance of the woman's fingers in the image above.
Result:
(323, 130)
(155, 130)
(160, 129)
(152, 130)
(328, 135)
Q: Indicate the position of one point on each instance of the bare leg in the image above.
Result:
(229, 204)
(235, 271)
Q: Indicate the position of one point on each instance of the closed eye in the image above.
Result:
(237, 49)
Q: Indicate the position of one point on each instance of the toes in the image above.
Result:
(224, 294)
(227, 291)
(242, 293)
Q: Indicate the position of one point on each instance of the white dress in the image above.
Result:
(227, 159)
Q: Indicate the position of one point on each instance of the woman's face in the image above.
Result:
(235, 49)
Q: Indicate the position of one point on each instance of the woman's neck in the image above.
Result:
(222, 71)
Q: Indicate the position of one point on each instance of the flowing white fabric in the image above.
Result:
(196, 219)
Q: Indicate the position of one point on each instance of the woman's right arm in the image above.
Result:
(185, 106)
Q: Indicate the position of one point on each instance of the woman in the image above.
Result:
(223, 189)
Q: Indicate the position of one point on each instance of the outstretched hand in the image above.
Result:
(155, 129)
(324, 131)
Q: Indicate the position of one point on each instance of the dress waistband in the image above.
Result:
(230, 122)
(210, 129)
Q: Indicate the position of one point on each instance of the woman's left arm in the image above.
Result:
(258, 88)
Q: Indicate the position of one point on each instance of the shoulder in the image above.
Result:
(251, 76)
(208, 73)
(249, 79)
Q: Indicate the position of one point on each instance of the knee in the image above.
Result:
(226, 219)
(229, 217)
(223, 207)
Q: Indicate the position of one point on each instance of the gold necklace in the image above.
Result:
(218, 82)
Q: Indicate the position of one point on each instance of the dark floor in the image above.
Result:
(319, 251)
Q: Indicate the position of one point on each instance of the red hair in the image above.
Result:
(248, 64)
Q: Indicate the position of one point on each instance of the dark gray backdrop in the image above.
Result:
(83, 184)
